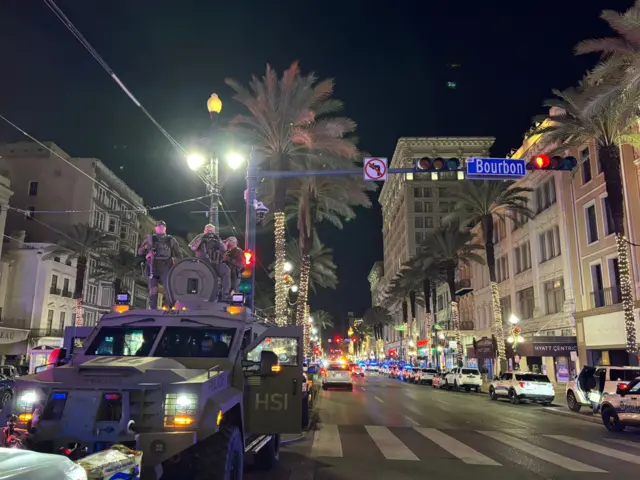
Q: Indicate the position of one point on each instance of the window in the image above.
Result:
(525, 302)
(614, 272)
(609, 227)
(505, 307)
(97, 219)
(113, 224)
(106, 298)
(597, 285)
(287, 349)
(30, 213)
(442, 192)
(585, 163)
(554, 296)
(502, 268)
(518, 221)
(545, 195)
(417, 192)
(33, 189)
(420, 237)
(419, 222)
(62, 320)
(532, 377)
(499, 230)
(417, 207)
(523, 257)
(428, 222)
(124, 341)
(440, 302)
(549, 244)
(592, 225)
(54, 282)
(426, 192)
(428, 207)
(91, 294)
(89, 319)
(49, 321)
(124, 232)
(65, 287)
(444, 207)
(195, 342)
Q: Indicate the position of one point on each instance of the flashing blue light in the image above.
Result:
(408, 367)
(58, 396)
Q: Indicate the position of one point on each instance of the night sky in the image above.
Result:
(389, 59)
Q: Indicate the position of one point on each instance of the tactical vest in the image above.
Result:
(162, 246)
(210, 248)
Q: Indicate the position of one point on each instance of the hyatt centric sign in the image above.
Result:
(496, 168)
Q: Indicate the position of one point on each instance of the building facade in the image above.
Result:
(53, 194)
(413, 205)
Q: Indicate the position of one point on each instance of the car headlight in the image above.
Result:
(180, 409)
(28, 398)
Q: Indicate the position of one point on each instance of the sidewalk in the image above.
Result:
(288, 438)
(585, 415)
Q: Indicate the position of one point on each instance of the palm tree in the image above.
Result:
(483, 203)
(82, 240)
(116, 265)
(377, 317)
(450, 246)
(290, 122)
(323, 319)
(317, 199)
(572, 124)
(322, 271)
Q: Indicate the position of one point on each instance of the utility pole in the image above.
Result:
(214, 106)
(250, 222)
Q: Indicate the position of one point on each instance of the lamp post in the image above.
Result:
(514, 337)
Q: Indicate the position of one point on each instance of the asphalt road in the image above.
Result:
(387, 429)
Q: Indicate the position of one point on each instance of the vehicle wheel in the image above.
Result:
(572, 402)
(513, 398)
(6, 398)
(477, 389)
(611, 420)
(468, 389)
(351, 388)
(220, 457)
(455, 385)
(324, 386)
(269, 455)
(492, 394)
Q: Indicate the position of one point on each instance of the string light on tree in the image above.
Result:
(281, 287)
(626, 292)
(497, 315)
(455, 318)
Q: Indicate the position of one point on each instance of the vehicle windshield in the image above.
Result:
(132, 341)
(195, 342)
(623, 375)
(470, 371)
(634, 387)
(532, 377)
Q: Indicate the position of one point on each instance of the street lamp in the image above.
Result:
(294, 288)
(288, 267)
(195, 161)
(310, 319)
(314, 330)
(234, 160)
(513, 319)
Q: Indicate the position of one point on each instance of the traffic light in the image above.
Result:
(558, 163)
(438, 164)
(246, 278)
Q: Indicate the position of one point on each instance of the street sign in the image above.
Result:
(375, 169)
(496, 168)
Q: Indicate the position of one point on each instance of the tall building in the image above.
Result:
(414, 204)
(375, 282)
(53, 194)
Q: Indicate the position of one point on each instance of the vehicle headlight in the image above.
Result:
(28, 398)
(180, 409)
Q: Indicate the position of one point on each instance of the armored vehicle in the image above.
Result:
(195, 387)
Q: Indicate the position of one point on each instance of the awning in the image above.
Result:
(548, 347)
(13, 341)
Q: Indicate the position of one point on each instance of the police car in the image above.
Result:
(338, 376)
(519, 386)
(622, 409)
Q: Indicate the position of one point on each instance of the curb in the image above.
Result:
(313, 420)
(577, 416)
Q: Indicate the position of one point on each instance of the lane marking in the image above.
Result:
(389, 445)
(440, 401)
(541, 453)
(456, 448)
(362, 388)
(412, 421)
(628, 443)
(326, 442)
(594, 447)
(379, 399)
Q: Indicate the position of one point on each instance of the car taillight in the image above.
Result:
(623, 386)
(523, 384)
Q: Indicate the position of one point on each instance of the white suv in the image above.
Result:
(463, 377)
(622, 408)
(338, 376)
(517, 386)
(589, 387)
(425, 375)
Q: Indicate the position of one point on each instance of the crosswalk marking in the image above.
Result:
(390, 446)
(594, 447)
(458, 449)
(541, 453)
(326, 442)
(628, 443)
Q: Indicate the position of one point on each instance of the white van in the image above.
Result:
(588, 388)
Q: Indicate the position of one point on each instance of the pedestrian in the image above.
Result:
(234, 259)
(209, 247)
(160, 252)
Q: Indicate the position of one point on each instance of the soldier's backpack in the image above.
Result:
(162, 246)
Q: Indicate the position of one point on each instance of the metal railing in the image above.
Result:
(54, 291)
(463, 284)
(47, 332)
(67, 293)
(606, 297)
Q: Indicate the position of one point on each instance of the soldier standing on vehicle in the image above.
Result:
(234, 258)
(160, 251)
(210, 247)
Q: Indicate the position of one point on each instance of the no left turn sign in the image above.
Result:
(375, 169)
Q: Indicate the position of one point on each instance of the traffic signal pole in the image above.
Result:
(250, 221)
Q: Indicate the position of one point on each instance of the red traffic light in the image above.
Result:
(248, 258)
(353, 339)
(541, 161)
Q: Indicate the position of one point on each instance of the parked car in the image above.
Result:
(620, 409)
(425, 375)
(464, 377)
(438, 380)
(407, 373)
(588, 388)
(6, 390)
(338, 376)
(357, 370)
(523, 386)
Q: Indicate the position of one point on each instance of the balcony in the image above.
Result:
(465, 325)
(463, 286)
(606, 297)
(67, 293)
(54, 291)
(47, 332)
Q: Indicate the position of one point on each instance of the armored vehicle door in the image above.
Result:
(273, 397)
